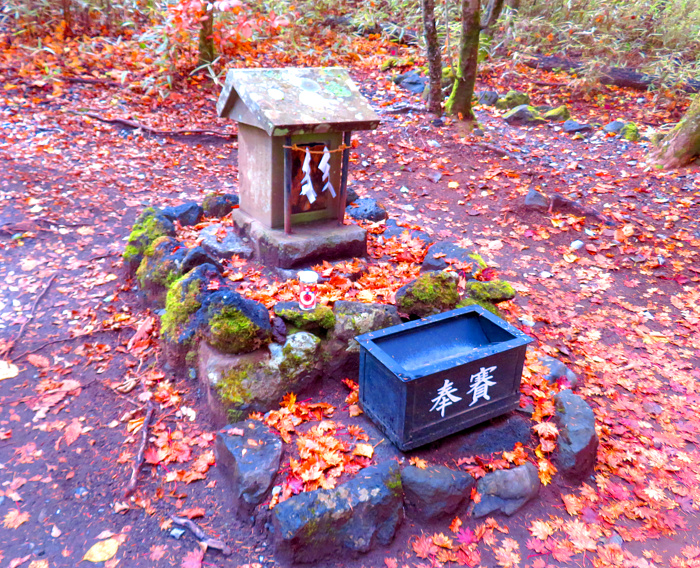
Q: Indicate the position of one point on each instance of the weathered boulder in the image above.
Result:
(578, 441)
(238, 384)
(438, 254)
(558, 114)
(196, 256)
(431, 293)
(574, 126)
(505, 490)
(435, 491)
(149, 225)
(536, 200)
(318, 320)
(350, 519)
(248, 454)
(340, 350)
(233, 324)
(558, 372)
(412, 81)
(218, 205)
(488, 98)
(186, 214)
(182, 301)
(523, 113)
(160, 267)
(630, 132)
(512, 99)
(494, 291)
(351, 195)
(615, 126)
(366, 209)
(231, 244)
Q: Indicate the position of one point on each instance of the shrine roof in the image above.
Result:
(289, 101)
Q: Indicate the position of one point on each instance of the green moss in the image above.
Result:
(231, 387)
(479, 260)
(322, 317)
(557, 114)
(292, 364)
(131, 253)
(179, 306)
(493, 291)
(191, 358)
(209, 201)
(394, 482)
(512, 99)
(486, 305)
(231, 331)
(154, 270)
(630, 132)
(146, 230)
(234, 415)
(431, 292)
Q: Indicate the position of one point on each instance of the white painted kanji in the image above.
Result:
(480, 383)
(445, 398)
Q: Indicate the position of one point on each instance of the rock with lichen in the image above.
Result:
(512, 99)
(494, 291)
(160, 267)
(233, 324)
(431, 293)
(219, 205)
(523, 113)
(149, 226)
(318, 321)
(340, 351)
(558, 114)
(630, 132)
(236, 385)
(182, 301)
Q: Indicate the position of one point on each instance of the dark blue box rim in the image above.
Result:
(367, 341)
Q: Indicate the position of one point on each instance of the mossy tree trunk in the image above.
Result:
(206, 37)
(493, 12)
(460, 101)
(682, 145)
(434, 58)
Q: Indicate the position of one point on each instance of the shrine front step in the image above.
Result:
(308, 243)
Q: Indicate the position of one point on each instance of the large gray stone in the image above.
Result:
(249, 455)
(499, 435)
(558, 372)
(615, 126)
(197, 256)
(435, 491)
(350, 519)
(512, 99)
(506, 490)
(536, 200)
(219, 205)
(340, 350)
(231, 244)
(573, 126)
(366, 209)
(578, 441)
(488, 98)
(523, 113)
(494, 291)
(161, 265)
(186, 214)
(238, 384)
(393, 229)
(431, 293)
(438, 254)
(149, 226)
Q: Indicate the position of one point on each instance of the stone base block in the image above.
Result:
(324, 240)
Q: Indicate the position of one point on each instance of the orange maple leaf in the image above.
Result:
(423, 546)
(15, 518)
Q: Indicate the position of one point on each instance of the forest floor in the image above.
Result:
(623, 312)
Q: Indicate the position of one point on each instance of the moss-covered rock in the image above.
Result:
(524, 113)
(149, 226)
(219, 205)
(257, 381)
(431, 293)
(318, 320)
(558, 114)
(160, 267)
(486, 305)
(494, 291)
(630, 132)
(233, 324)
(512, 99)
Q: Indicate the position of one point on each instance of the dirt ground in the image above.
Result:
(622, 312)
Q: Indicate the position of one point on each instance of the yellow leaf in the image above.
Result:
(7, 370)
(39, 564)
(14, 518)
(364, 450)
(453, 185)
(418, 462)
(102, 551)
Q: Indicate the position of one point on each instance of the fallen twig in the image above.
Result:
(59, 340)
(201, 535)
(138, 125)
(31, 314)
(131, 486)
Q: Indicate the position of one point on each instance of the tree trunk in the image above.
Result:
(206, 37)
(434, 59)
(67, 17)
(493, 12)
(682, 145)
(460, 101)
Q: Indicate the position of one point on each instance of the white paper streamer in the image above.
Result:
(307, 187)
(325, 167)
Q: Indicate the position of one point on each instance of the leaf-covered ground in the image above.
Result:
(623, 311)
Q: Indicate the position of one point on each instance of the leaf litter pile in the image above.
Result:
(81, 369)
